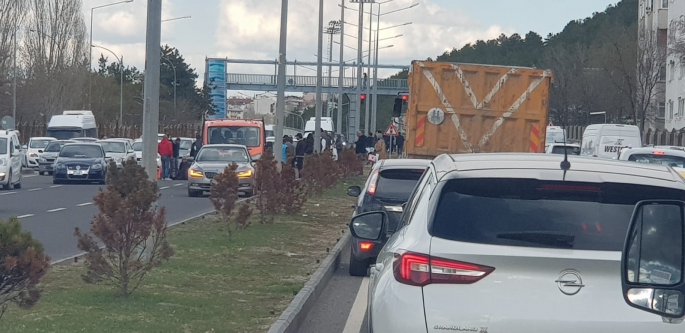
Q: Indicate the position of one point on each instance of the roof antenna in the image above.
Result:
(565, 164)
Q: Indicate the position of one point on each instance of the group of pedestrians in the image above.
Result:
(169, 151)
(375, 146)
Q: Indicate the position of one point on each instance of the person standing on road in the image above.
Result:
(381, 150)
(309, 147)
(360, 145)
(300, 150)
(166, 151)
(196, 146)
(290, 148)
(176, 145)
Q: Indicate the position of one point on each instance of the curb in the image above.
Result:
(169, 225)
(292, 318)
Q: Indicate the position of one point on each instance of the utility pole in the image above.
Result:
(151, 94)
(333, 29)
(374, 105)
(280, 94)
(360, 33)
(341, 74)
(14, 68)
(319, 74)
(367, 116)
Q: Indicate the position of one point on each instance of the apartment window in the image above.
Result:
(670, 110)
(664, 3)
(681, 66)
(672, 76)
(662, 110)
(681, 107)
(662, 73)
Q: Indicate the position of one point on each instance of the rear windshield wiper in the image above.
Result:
(550, 238)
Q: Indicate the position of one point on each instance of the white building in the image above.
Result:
(653, 21)
(263, 104)
(675, 73)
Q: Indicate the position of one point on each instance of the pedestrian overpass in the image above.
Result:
(307, 84)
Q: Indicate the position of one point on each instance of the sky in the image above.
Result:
(249, 29)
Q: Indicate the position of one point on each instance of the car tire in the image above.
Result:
(9, 181)
(50, 173)
(357, 267)
(41, 173)
(194, 194)
(56, 182)
(17, 185)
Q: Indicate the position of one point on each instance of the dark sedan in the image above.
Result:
(389, 186)
(80, 162)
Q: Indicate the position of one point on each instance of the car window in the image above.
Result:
(588, 145)
(39, 144)
(138, 146)
(673, 161)
(533, 213)
(3, 146)
(78, 151)
(54, 147)
(397, 184)
(570, 150)
(242, 135)
(232, 154)
(113, 147)
(411, 203)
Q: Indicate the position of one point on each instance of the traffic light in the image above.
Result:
(362, 97)
(397, 108)
(405, 98)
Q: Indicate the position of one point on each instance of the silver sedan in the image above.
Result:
(212, 160)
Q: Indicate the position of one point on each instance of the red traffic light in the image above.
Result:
(362, 97)
(405, 97)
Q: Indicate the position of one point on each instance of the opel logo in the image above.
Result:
(570, 282)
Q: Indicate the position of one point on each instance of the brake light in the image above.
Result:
(373, 182)
(365, 246)
(658, 152)
(576, 188)
(420, 270)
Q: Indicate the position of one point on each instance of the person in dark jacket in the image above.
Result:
(360, 145)
(300, 150)
(309, 144)
(173, 167)
(196, 146)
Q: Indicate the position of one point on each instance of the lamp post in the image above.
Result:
(334, 28)
(90, 57)
(175, 80)
(121, 83)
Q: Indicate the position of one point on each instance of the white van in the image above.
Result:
(73, 124)
(554, 134)
(607, 140)
(326, 125)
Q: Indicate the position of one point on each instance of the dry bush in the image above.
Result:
(129, 226)
(313, 173)
(294, 193)
(350, 164)
(22, 265)
(330, 170)
(242, 218)
(267, 185)
(224, 193)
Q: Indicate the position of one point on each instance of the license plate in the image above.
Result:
(78, 172)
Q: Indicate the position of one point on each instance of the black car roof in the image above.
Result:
(404, 164)
(543, 164)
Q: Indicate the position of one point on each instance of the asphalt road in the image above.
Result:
(51, 212)
(341, 307)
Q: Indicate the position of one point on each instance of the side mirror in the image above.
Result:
(354, 191)
(40, 151)
(131, 151)
(368, 226)
(652, 262)
(253, 164)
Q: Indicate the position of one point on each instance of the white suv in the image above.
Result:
(513, 243)
(10, 160)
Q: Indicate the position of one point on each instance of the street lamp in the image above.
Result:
(175, 80)
(90, 58)
(121, 84)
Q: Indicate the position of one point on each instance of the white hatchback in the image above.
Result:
(33, 149)
(10, 160)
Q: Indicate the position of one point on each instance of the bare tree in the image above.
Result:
(568, 65)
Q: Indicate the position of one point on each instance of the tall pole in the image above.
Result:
(90, 63)
(367, 116)
(360, 33)
(330, 75)
(121, 92)
(319, 74)
(151, 94)
(280, 94)
(374, 108)
(14, 68)
(341, 74)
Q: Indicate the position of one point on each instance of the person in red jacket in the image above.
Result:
(166, 151)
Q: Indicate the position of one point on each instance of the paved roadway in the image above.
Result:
(51, 212)
(342, 305)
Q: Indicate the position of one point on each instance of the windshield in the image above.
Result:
(113, 147)
(65, 134)
(81, 151)
(397, 185)
(186, 144)
(270, 133)
(138, 146)
(54, 147)
(569, 150)
(532, 213)
(215, 154)
(39, 144)
(672, 161)
(3, 146)
(243, 135)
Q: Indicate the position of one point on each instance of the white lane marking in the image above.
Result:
(8, 193)
(55, 210)
(356, 318)
(84, 204)
(55, 186)
(24, 216)
(29, 176)
(164, 188)
(34, 189)
(179, 184)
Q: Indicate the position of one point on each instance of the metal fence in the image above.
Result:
(310, 81)
(28, 130)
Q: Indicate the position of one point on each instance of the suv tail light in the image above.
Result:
(373, 182)
(419, 270)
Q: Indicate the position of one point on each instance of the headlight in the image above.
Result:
(59, 166)
(245, 174)
(96, 166)
(195, 173)
(33, 155)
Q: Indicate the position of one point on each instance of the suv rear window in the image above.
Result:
(533, 213)
(669, 160)
(397, 184)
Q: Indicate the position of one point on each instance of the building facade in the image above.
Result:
(653, 23)
(675, 76)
